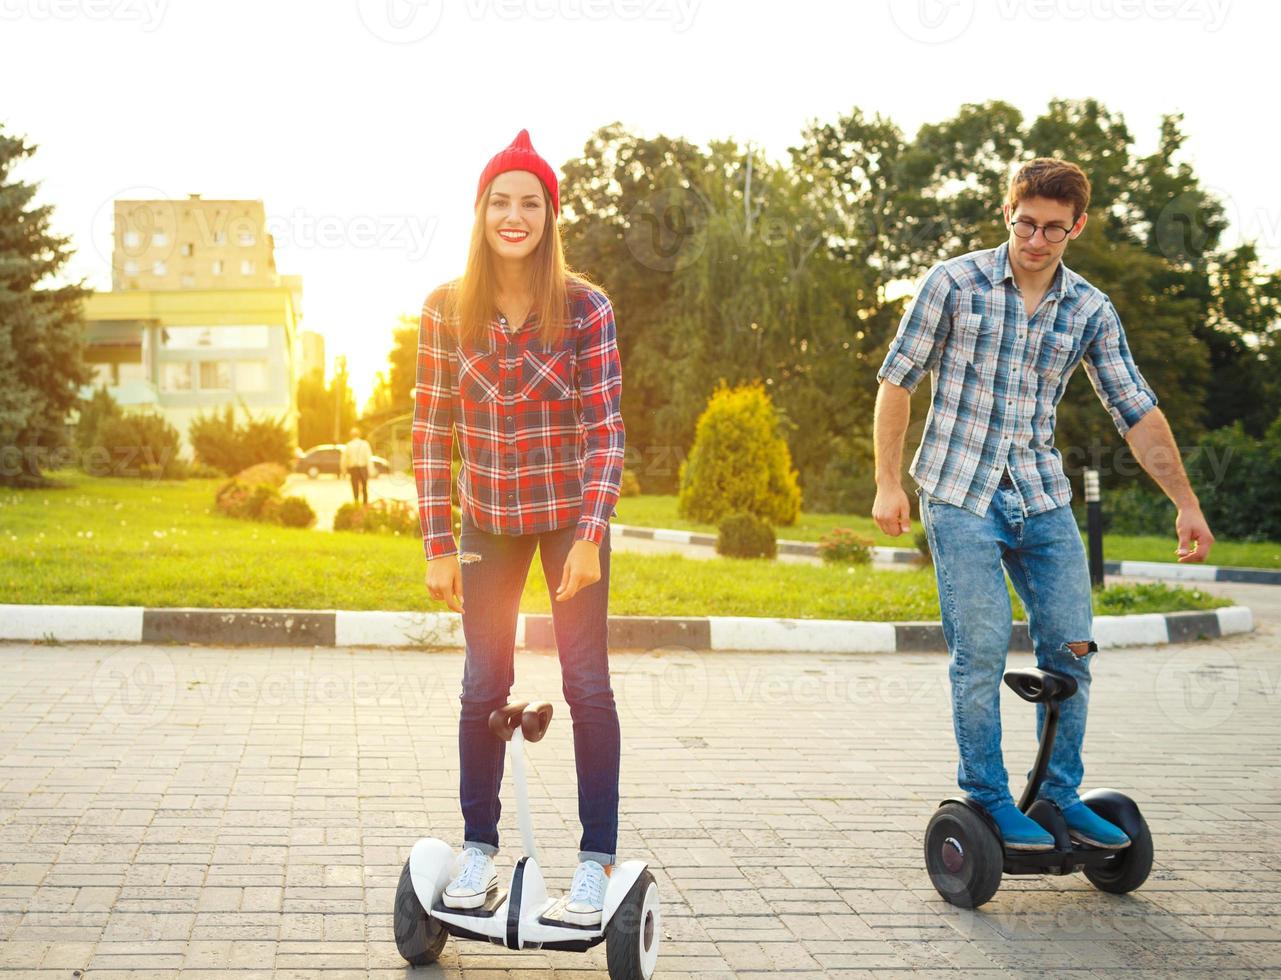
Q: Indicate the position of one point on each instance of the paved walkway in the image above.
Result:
(238, 813)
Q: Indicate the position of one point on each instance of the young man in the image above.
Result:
(356, 457)
(1000, 331)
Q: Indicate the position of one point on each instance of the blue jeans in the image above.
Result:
(1045, 559)
(491, 603)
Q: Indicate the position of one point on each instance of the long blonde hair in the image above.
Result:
(475, 296)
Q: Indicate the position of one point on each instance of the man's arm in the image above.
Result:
(891, 510)
(914, 353)
(1133, 406)
(1152, 443)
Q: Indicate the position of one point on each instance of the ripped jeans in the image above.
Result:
(1046, 562)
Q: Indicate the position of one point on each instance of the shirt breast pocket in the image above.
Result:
(547, 375)
(978, 342)
(478, 375)
(1058, 350)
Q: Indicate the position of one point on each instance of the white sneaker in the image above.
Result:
(586, 895)
(471, 887)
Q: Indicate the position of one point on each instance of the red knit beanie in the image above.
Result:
(520, 155)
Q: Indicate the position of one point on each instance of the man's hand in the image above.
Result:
(582, 568)
(891, 511)
(1193, 531)
(445, 581)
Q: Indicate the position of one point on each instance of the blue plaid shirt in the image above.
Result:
(998, 377)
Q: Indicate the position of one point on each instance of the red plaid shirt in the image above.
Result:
(539, 431)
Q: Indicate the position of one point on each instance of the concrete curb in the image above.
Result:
(308, 627)
(1168, 570)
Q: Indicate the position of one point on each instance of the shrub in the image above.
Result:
(262, 502)
(739, 462)
(273, 474)
(220, 442)
(137, 444)
(1134, 509)
(296, 512)
(745, 535)
(922, 542)
(842, 546)
(630, 485)
(378, 517)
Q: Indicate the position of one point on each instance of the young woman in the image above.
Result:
(519, 356)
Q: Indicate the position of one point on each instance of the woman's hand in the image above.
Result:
(445, 581)
(582, 568)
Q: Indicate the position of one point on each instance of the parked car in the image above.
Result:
(327, 459)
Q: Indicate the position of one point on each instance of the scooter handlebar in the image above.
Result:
(532, 719)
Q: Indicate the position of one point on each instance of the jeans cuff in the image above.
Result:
(481, 846)
(600, 857)
(1062, 800)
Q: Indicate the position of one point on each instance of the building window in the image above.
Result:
(187, 282)
(159, 238)
(131, 267)
(245, 238)
(103, 375)
(232, 337)
(158, 268)
(220, 238)
(187, 249)
(132, 239)
(127, 371)
(217, 267)
(175, 376)
(246, 267)
(251, 375)
(215, 375)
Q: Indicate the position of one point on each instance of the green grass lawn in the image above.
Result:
(653, 510)
(100, 541)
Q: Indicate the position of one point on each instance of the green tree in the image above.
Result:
(41, 329)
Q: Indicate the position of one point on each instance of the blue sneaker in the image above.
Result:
(1088, 827)
(1019, 832)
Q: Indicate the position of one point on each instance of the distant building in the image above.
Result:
(313, 353)
(198, 317)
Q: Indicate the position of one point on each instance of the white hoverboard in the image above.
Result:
(523, 915)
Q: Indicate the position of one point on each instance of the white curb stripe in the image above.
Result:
(1171, 571)
(1143, 629)
(114, 623)
(1235, 619)
(664, 534)
(800, 635)
(362, 628)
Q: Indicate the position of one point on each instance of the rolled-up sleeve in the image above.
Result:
(1112, 371)
(917, 346)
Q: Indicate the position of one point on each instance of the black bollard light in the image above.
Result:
(1094, 526)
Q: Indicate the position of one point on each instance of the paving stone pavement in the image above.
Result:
(244, 813)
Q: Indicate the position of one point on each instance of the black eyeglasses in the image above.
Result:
(1053, 233)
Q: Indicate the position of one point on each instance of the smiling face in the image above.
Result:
(515, 214)
(1036, 254)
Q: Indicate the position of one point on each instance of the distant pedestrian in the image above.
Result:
(356, 456)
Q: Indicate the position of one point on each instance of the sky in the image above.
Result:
(363, 125)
